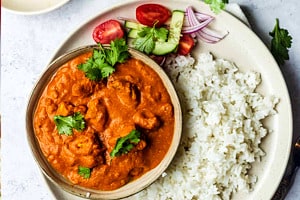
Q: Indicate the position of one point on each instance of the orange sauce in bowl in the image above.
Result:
(133, 97)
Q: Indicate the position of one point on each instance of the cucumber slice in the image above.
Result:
(133, 33)
(176, 26)
(133, 25)
(163, 48)
(130, 42)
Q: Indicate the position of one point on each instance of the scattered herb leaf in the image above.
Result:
(216, 5)
(147, 37)
(118, 53)
(85, 172)
(101, 64)
(66, 124)
(280, 43)
(126, 143)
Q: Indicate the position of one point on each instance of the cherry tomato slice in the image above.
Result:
(149, 14)
(108, 31)
(186, 44)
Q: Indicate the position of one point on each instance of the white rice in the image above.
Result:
(222, 130)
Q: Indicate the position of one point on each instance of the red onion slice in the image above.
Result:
(202, 33)
(195, 28)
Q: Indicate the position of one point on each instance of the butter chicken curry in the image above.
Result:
(131, 107)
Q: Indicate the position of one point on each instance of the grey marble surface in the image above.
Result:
(28, 43)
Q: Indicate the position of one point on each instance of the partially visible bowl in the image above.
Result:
(32, 7)
(131, 187)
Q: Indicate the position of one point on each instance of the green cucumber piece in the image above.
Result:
(133, 33)
(163, 48)
(133, 25)
(176, 26)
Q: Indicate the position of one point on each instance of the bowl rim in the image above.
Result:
(21, 11)
(129, 188)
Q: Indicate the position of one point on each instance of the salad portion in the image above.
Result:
(158, 31)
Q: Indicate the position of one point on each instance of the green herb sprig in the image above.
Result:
(147, 37)
(85, 172)
(280, 43)
(102, 62)
(216, 5)
(65, 125)
(126, 143)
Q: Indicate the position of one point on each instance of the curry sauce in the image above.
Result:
(133, 97)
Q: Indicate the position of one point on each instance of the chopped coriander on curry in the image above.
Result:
(85, 172)
(102, 62)
(126, 143)
(65, 125)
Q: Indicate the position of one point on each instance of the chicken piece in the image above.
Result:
(85, 148)
(82, 88)
(64, 109)
(88, 161)
(81, 108)
(166, 109)
(97, 115)
(136, 171)
(152, 94)
(141, 145)
(50, 106)
(146, 119)
(81, 145)
(67, 155)
(127, 92)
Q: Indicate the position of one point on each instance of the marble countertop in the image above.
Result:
(28, 43)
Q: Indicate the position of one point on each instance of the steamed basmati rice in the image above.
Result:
(222, 130)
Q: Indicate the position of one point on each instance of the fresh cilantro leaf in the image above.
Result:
(147, 37)
(145, 44)
(118, 53)
(91, 66)
(126, 143)
(280, 43)
(216, 5)
(101, 64)
(85, 172)
(66, 124)
(161, 34)
(94, 74)
(106, 71)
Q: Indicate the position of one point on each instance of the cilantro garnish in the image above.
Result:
(126, 143)
(216, 5)
(66, 124)
(85, 172)
(147, 37)
(102, 62)
(280, 43)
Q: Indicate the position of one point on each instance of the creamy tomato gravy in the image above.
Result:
(134, 97)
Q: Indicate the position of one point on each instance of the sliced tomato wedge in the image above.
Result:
(150, 14)
(186, 44)
(108, 31)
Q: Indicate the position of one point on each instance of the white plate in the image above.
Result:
(32, 7)
(244, 48)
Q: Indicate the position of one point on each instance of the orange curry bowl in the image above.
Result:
(104, 133)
